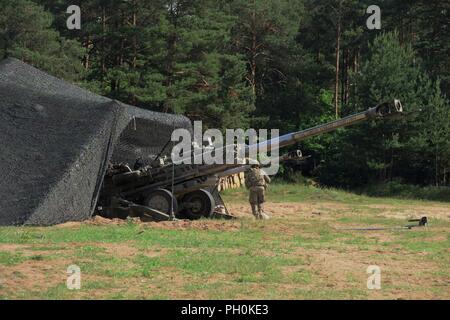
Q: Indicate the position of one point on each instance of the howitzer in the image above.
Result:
(189, 191)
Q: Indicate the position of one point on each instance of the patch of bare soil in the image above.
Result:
(10, 247)
(341, 270)
(152, 286)
(120, 249)
(28, 251)
(218, 225)
(36, 275)
(95, 221)
(306, 210)
(33, 275)
(326, 210)
(413, 211)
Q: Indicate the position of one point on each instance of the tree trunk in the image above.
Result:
(342, 78)
(87, 56)
(356, 60)
(171, 51)
(347, 78)
(5, 51)
(436, 168)
(338, 49)
(391, 165)
(253, 52)
(134, 59)
(122, 40)
(383, 170)
(103, 64)
(134, 62)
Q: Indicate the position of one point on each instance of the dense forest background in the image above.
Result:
(286, 64)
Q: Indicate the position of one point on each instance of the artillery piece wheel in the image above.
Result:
(160, 200)
(198, 204)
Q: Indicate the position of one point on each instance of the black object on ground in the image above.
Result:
(422, 222)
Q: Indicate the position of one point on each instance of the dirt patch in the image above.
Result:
(123, 250)
(129, 249)
(152, 286)
(306, 210)
(95, 221)
(273, 209)
(342, 270)
(26, 251)
(405, 211)
(217, 225)
(33, 276)
(10, 247)
(328, 211)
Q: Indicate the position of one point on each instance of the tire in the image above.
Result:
(198, 204)
(160, 200)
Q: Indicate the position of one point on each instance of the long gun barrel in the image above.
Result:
(381, 111)
(384, 110)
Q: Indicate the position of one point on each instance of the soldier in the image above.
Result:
(256, 181)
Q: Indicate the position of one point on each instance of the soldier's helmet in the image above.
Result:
(253, 163)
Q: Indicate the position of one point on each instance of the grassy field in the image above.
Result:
(301, 253)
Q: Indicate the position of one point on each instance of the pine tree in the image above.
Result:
(26, 34)
(433, 139)
(204, 79)
(380, 151)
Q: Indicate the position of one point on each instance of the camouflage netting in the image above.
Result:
(56, 141)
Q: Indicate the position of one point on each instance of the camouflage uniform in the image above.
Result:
(257, 183)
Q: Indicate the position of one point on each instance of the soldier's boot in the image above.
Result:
(261, 212)
(255, 212)
(265, 216)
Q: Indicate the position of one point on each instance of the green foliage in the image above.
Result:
(403, 147)
(26, 34)
(9, 259)
(400, 190)
(391, 71)
(264, 64)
